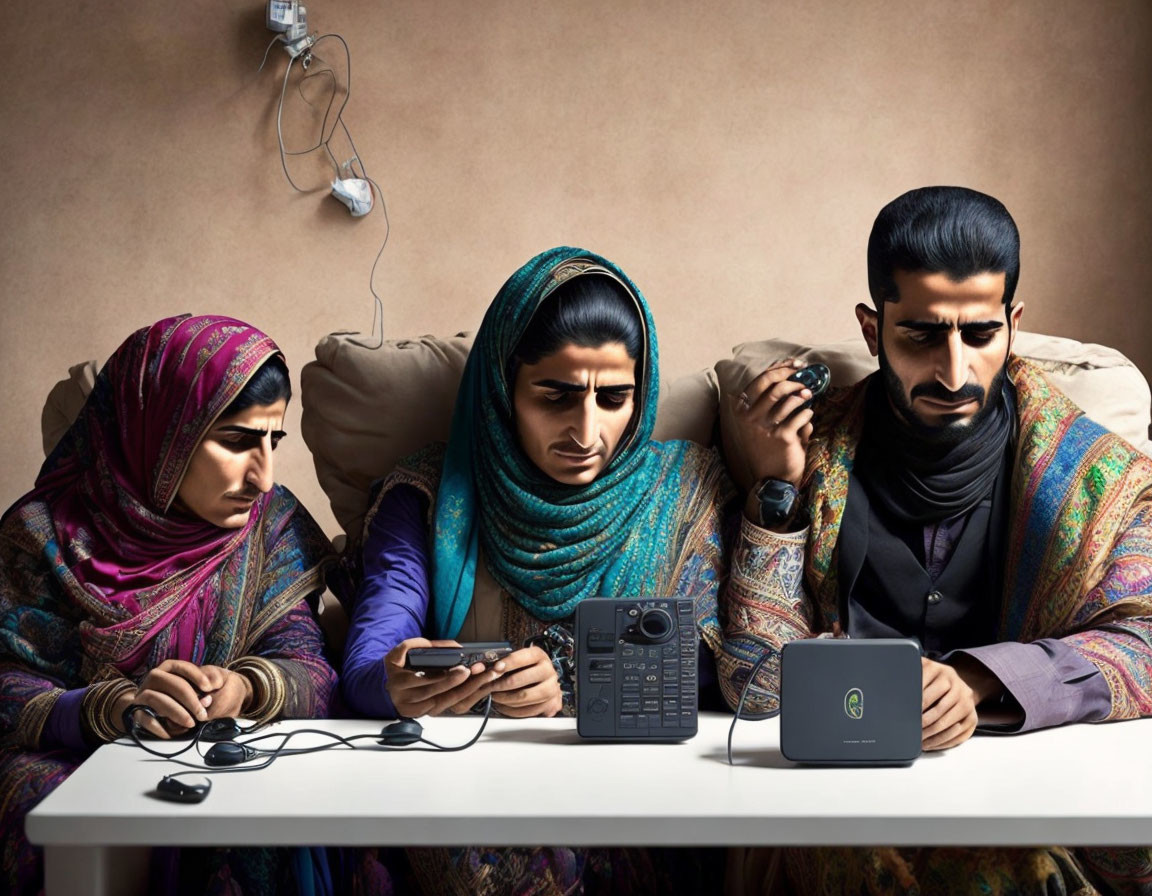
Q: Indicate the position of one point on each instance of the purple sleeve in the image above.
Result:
(392, 602)
(62, 727)
(1052, 683)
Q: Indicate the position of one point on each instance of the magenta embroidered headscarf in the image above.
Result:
(102, 508)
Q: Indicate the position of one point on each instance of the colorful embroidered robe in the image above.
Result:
(1078, 563)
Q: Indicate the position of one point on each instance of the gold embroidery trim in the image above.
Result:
(33, 716)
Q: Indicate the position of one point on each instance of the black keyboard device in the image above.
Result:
(636, 669)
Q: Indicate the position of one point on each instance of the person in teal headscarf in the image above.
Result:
(607, 529)
(549, 491)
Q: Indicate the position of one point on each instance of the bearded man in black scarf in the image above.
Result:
(943, 500)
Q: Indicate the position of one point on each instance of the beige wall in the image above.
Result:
(730, 155)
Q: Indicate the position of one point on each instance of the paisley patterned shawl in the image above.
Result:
(1079, 558)
(98, 576)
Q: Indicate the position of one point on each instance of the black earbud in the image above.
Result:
(400, 733)
(215, 730)
(178, 790)
(229, 753)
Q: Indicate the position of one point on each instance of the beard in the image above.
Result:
(950, 432)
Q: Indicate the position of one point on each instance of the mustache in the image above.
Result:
(245, 495)
(573, 447)
(967, 392)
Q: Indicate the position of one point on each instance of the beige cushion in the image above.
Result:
(64, 403)
(364, 409)
(688, 408)
(1103, 382)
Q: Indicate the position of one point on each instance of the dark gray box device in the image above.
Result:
(636, 669)
(850, 702)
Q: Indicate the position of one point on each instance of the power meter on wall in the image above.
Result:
(289, 17)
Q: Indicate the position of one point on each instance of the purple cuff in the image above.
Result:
(62, 728)
(1051, 682)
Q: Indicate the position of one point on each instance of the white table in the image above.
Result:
(535, 782)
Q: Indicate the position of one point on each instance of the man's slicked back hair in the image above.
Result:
(949, 230)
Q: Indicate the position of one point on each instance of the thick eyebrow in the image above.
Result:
(976, 326)
(561, 386)
(249, 431)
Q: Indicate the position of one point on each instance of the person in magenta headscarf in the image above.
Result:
(156, 563)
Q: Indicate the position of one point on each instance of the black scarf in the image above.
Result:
(920, 482)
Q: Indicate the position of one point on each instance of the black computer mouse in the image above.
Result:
(220, 729)
(229, 753)
(182, 790)
(401, 733)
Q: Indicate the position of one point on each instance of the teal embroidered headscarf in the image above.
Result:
(548, 544)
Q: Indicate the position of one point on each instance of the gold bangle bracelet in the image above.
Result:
(96, 708)
(269, 691)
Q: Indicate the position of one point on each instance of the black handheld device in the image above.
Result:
(177, 790)
(431, 659)
(817, 377)
(636, 669)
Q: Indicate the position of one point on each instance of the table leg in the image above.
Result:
(96, 870)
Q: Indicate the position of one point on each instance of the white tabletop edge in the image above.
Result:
(1082, 785)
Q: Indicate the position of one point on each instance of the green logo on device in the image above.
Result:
(854, 704)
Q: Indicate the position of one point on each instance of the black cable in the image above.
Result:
(288, 735)
(760, 716)
(271, 755)
(432, 746)
(128, 722)
(211, 730)
(475, 737)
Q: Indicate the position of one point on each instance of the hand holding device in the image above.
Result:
(772, 422)
(529, 686)
(174, 691)
(228, 692)
(183, 694)
(417, 692)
